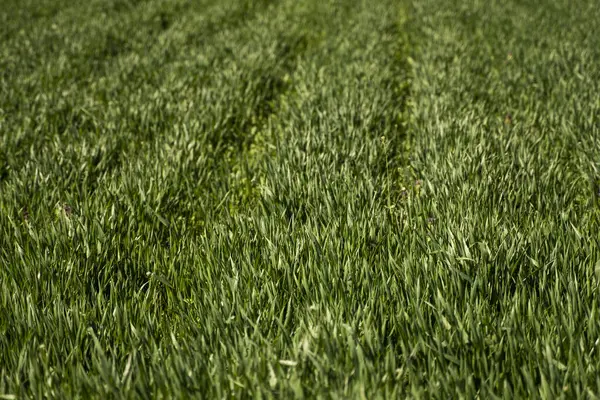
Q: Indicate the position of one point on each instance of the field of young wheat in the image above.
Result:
(299, 199)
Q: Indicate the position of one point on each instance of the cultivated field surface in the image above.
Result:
(340, 199)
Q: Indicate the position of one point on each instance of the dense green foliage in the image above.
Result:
(281, 198)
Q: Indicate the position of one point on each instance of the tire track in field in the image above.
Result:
(241, 90)
(202, 152)
(325, 203)
(374, 116)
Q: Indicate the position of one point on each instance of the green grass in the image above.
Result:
(274, 198)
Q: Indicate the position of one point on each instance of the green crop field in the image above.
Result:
(299, 199)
